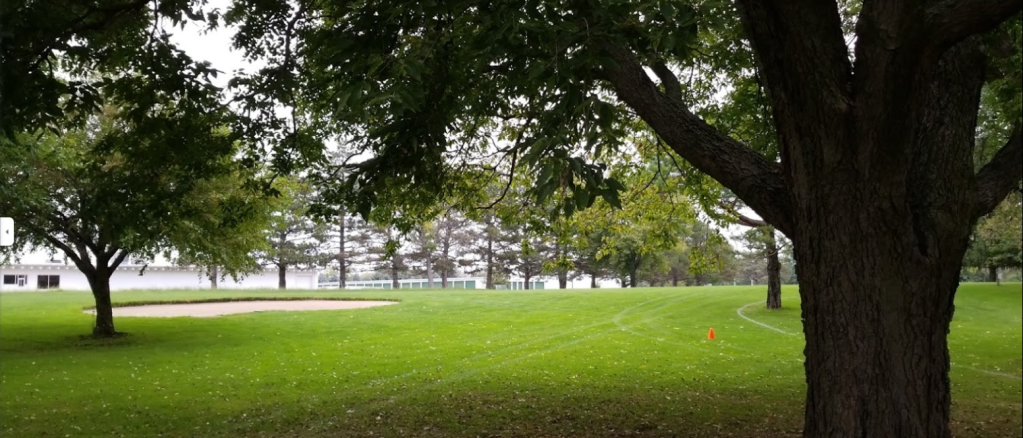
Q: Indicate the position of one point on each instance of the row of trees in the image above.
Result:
(875, 159)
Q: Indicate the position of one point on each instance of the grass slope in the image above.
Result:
(460, 363)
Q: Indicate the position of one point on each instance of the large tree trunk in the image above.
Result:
(876, 313)
(593, 281)
(527, 275)
(876, 187)
(282, 276)
(633, 274)
(773, 272)
(99, 282)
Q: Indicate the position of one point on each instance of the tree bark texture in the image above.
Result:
(773, 272)
(875, 187)
(214, 276)
(490, 256)
(282, 276)
(429, 273)
(99, 282)
(395, 284)
(342, 256)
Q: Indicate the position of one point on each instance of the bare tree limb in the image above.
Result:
(751, 176)
(1000, 176)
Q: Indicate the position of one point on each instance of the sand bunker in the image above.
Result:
(204, 310)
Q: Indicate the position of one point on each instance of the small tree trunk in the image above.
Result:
(490, 261)
(342, 276)
(527, 275)
(562, 279)
(633, 275)
(674, 279)
(429, 273)
(444, 278)
(773, 272)
(282, 276)
(395, 284)
(99, 282)
(992, 274)
(593, 281)
(214, 276)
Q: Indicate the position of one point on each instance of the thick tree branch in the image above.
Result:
(118, 259)
(85, 265)
(951, 21)
(1001, 175)
(750, 222)
(751, 176)
(804, 64)
(742, 219)
(672, 87)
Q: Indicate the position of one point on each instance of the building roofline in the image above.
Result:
(63, 267)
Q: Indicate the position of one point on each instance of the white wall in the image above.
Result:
(160, 277)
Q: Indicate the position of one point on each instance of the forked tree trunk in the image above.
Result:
(773, 272)
(99, 282)
(876, 187)
(879, 256)
(282, 276)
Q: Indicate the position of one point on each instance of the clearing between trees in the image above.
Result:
(600, 363)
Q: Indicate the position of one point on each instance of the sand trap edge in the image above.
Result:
(203, 308)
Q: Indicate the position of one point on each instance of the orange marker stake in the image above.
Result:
(710, 334)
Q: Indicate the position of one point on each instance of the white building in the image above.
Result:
(536, 283)
(30, 277)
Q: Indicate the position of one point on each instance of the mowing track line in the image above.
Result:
(770, 327)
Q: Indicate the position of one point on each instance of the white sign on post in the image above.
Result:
(6, 231)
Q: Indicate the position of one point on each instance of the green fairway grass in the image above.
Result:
(588, 363)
